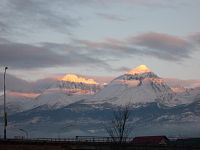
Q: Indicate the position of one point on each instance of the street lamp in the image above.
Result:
(24, 132)
(5, 113)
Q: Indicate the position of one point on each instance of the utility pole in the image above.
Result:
(5, 113)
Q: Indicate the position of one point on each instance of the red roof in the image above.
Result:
(144, 140)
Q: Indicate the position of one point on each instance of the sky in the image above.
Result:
(43, 38)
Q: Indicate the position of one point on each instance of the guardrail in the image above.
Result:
(101, 139)
(95, 139)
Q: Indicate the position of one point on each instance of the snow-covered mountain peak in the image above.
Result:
(139, 86)
(77, 79)
(139, 70)
(139, 73)
(140, 77)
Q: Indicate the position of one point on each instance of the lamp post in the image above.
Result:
(24, 132)
(5, 113)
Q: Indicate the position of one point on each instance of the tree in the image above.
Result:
(119, 129)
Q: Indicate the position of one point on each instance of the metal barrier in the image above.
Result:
(101, 139)
(95, 139)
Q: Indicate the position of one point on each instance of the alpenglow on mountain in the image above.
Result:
(73, 84)
(139, 70)
(86, 106)
(77, 79)
(137, 86)
(67, 90)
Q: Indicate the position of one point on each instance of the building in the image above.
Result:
(151, 140)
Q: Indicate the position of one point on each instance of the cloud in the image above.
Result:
(182, 83)
(25, 16)
(157, 45)
(96, 54)
(3, 40)
(195, 38)
(102, 79)
(3, 27)
(13, 83)
(111, 17)
(33, 15)
(123, 69)
(161, 45)
(17, 84)
(146, 3)
(26, 56)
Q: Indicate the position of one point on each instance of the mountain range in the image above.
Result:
(73, 105)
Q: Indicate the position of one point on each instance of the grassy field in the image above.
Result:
(64, 145)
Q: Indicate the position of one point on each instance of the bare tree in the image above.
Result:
(119, 129)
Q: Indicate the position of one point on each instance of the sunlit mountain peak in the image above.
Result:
(139, 70)
(75, 78)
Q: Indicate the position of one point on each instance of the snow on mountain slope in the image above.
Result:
(55, 98)
(77, 79)
(150, 117)
(67, 90)
(18, 101)
(138, 86)
(54, 94)
(188, 96)
(73, 84)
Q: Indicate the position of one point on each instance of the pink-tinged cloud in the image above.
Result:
(160, 41)
(111, 17)
(23, 94)
(195, 38)
(96, 53)
(172, 82)
(28, 56)
(102, 79)
(159, 45)
(162, 45)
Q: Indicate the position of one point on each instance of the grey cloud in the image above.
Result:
(3, 40)
(146, 3)
(123, 69)
(34, 15)
(172, 82)
(25, 56)
(159, 4)
(162, 42)
(195, 38)
(111, 17)
(3, 28)
(14, 84)
(162, 46)
(23, 17)
(96, 54)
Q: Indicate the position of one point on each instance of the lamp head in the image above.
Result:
(6, 68)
